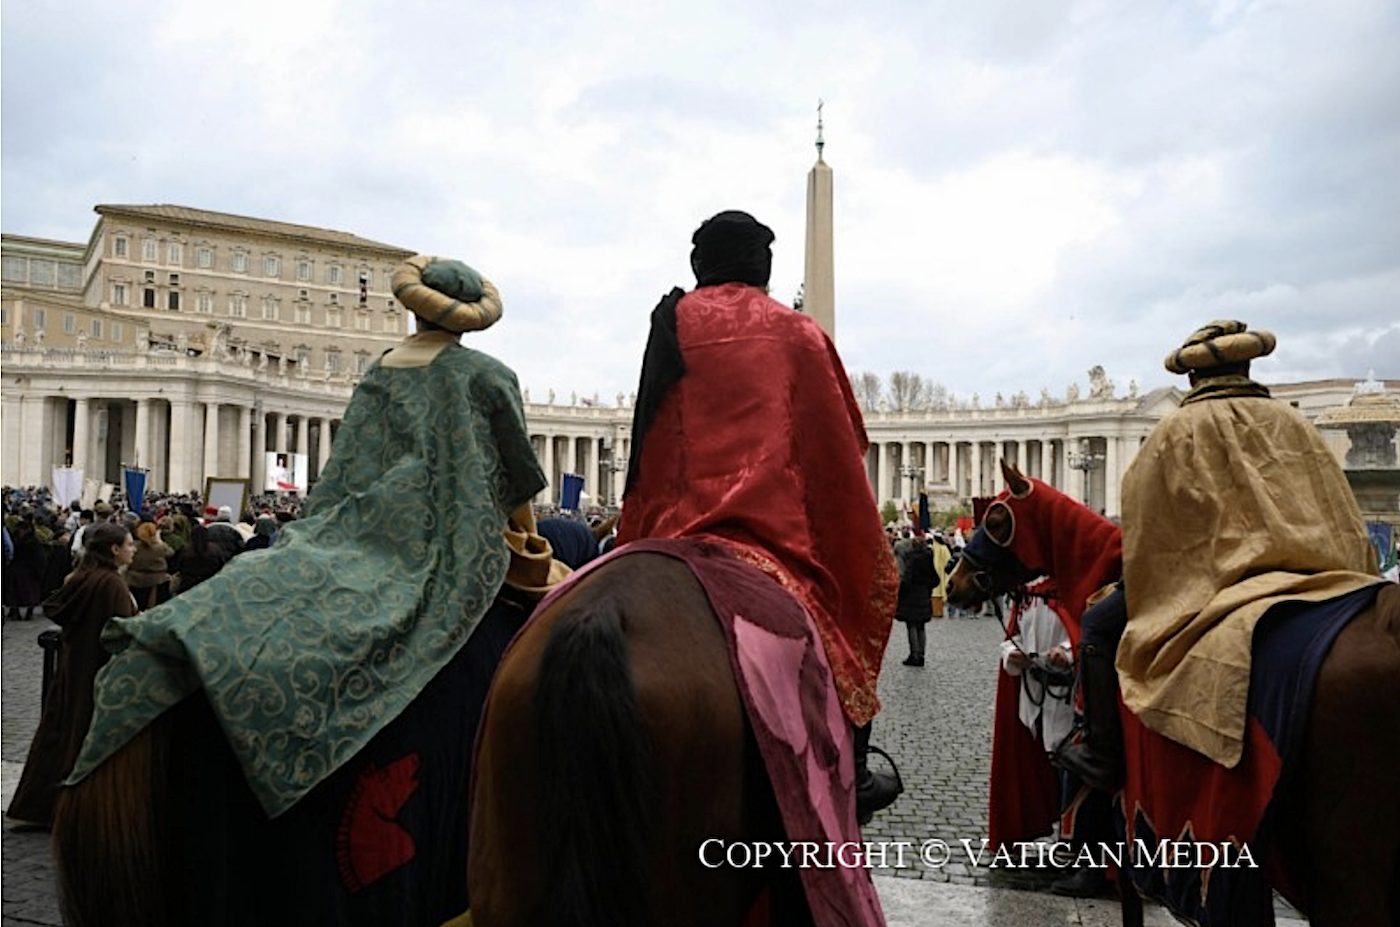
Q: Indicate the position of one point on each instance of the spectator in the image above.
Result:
(149, 576)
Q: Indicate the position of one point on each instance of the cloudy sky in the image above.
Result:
(1023, 190)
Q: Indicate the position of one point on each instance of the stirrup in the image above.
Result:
(881, 788)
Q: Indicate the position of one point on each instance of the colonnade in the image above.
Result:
(180, 440)
(1088, 467)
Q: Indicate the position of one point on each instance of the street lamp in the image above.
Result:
(1086, 461)
(911, 472)
(609, 466)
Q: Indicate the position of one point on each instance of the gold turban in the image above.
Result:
(1219, 343)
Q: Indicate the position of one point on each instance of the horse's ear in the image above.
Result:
(1015, 481)
(604, 528)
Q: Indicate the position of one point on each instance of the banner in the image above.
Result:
(925, 516)
(67, 485)
(90, 490)
(285, 472)
(570, 492)
(134, 485)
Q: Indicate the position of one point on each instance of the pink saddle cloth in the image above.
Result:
(803, 736)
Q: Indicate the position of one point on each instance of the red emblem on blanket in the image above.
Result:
(370, 844)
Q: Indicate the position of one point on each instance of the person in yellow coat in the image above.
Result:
(942, 553)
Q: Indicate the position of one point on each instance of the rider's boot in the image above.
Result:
(1097, 756)
(875, 791)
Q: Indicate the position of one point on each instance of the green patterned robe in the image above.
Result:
(308, 649)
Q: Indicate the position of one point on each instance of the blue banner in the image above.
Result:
(570, 492)
(134, 485)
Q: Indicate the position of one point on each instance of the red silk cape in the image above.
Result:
(760, 445)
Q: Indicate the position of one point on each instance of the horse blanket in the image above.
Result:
(382, 840)
(785, 683)
(1175, 794)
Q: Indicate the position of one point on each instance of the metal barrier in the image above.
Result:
(49, 642)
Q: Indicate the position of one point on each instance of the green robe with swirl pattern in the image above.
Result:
(307, 649)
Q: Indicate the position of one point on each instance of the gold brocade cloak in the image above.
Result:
(1231, 506)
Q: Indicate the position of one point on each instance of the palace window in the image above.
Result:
(362, 321)
(95, 329)
(304, 271)
(148, 249)
(16, 269)
(391, 324)
(303, 314)
(204, 258)
(119, 294)
(333, 362)
(272, 266)
(148, 298)
(174, 279)
(333, 274)
(39, 319)
(361, 362)
(70, 323)
(175, 253)
(334, 319)
(172, 301)
(270, 309)
(41, 273)
(303, 356)
(117, 332)
(204, 302)
(70, 275)
(120, 246)
(238, 305)
(240, 262)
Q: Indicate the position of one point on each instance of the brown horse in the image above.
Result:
(1343, 845)
(614, 743)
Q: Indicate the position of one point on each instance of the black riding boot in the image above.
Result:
(875, 791)
(1097, 756)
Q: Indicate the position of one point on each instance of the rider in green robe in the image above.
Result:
(307, 649)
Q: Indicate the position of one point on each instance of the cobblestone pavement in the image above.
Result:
(936, 724)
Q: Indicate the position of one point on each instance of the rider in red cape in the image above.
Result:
(746, 432)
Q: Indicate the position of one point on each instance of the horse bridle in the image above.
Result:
(988, 559)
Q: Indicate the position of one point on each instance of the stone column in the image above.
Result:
(1112, 476)
(882, 473)
(998, 483)
(142, 455)
(1061, 474)
(323, 450)
(245, 441)
(181, 447)
(258, 463)
(570, 455)
(303, 435)
(211, 442)
(31, 462)
(279, 432)
(82, 435)
(553, 487)
(593, 479)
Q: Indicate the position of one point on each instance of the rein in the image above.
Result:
(1057, 682)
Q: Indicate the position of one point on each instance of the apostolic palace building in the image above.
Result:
(191, 342)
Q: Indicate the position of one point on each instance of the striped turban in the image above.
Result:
(446, 293)
(1219, 344)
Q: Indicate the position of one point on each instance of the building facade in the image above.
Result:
(187, 342)
(190, 343)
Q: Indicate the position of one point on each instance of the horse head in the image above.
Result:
(1033, 529)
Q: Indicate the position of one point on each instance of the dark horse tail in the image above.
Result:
(596, 781)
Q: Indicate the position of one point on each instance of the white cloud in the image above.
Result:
(1022, 191)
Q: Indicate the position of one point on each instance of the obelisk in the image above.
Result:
(819, 274)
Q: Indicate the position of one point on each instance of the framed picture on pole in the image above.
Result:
(229, 491)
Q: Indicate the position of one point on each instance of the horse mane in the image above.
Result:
(1063, 538)
(587, 717)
